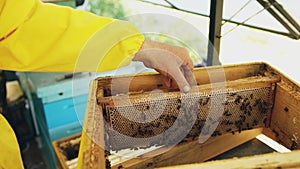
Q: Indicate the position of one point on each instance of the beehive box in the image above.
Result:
(66, 151)
(230, 105)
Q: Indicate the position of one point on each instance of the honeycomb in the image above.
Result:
(148, 119)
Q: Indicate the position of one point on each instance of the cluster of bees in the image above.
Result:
(241, 110)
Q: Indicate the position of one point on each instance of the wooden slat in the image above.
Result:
(240, 84)
(285, 122)
(191, 152)
(266, 161)
(205, 75)
(91, 153)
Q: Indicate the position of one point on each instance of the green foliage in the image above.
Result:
(107, 8)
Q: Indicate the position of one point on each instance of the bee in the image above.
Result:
(247, 104)
(107, 164)
(225, 103)
(265, 120)
(200, 101)
(229, 122)
(257, 101)
(293, 145)
(255, 122)
(242, 107)
(232, 94)
(275, 132)
(131, 126)
(206, 101)
(216, 133)
(149, 164)
(150, 132)
(134, 135)
(140, 131)
(120, 167)
(238, 100)
(226, 113)
(107, 153)
(243, 118)
(159, 85)
(228, 130)
(240, 129)
(250, 108)
(251, 95)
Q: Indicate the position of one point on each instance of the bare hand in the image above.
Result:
(173, 62)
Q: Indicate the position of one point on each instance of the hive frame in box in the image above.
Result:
(285, 110)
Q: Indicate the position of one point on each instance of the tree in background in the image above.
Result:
(107, 8)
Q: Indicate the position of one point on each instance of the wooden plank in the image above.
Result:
(91, 153)
(285, 124)
(204, 75)
(60, 156)
(190, 152)
(240, 84)
(285, 121)
(266, 161)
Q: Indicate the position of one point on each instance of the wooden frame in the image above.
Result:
(59, 152)
(283, 125)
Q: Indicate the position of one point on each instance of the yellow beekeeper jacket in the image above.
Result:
(36, 36)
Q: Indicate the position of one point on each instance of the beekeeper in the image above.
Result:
(40, 37)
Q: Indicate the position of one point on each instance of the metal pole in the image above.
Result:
(215, 23)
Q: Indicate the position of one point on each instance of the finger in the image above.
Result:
(184, 55)
(189, 75)
(189, 63)
(167, 81)
(179, 78)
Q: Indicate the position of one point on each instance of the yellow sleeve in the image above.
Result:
(53, 38)
(10, 156)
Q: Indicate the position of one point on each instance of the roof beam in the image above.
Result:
(282, 16)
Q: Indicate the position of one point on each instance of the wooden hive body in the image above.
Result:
(256, 99)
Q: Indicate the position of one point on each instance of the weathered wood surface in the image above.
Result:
(285, 119)
(91, 153)
(284, 124)
(205, 75)
(61, 158)
(234, 85)
(190, 152)
(267, 161)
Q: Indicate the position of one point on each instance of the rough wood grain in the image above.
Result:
(91, 153)
(285, 123)
(266, 161)
(205, 75)
(191, 152)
